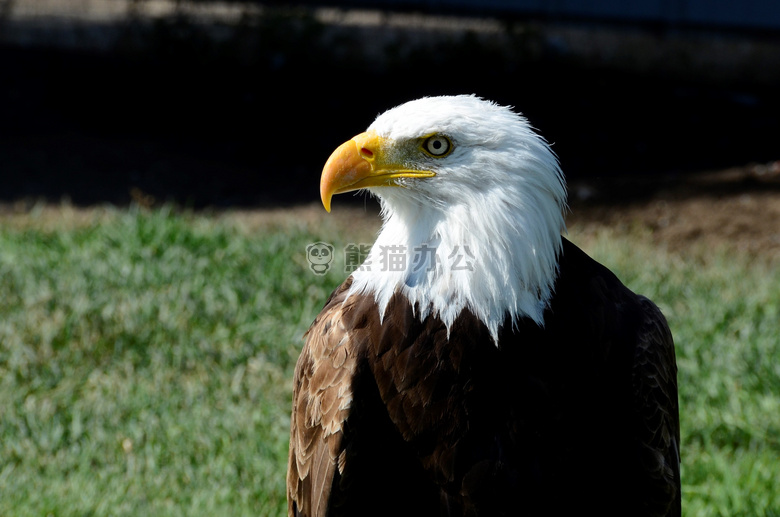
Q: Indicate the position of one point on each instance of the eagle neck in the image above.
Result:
(494, 258)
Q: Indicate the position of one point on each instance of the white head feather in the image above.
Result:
(493, 214)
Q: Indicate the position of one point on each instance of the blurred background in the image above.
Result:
(238, 104)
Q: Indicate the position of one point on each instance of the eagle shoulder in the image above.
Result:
(635, 352)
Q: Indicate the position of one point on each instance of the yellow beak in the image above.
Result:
(360, 163)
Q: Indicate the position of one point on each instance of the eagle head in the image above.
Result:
(472, 181)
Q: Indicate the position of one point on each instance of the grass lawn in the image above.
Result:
(146, 360)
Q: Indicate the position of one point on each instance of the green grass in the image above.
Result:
(145, 365)
(146, 362)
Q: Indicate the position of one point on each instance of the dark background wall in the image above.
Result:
(707, 14)
(209, 110)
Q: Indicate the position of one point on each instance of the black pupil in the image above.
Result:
(436, 144)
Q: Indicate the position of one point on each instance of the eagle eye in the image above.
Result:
(437, 145)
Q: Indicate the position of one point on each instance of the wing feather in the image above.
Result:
(655, 391)
(322, 396)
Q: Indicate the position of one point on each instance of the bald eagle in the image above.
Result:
(496, 369)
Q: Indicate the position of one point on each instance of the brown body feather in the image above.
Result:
(580, 415)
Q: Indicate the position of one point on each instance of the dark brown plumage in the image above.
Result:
(578, 415)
